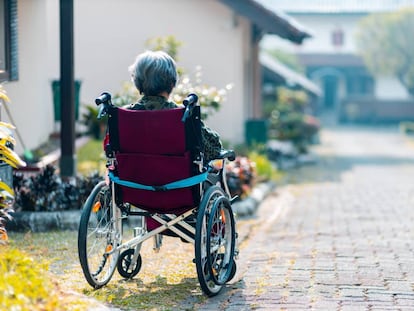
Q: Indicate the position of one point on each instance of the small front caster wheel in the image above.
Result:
(124, 264)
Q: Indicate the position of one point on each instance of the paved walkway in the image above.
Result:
(339, 236)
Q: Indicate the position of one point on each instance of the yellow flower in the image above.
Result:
(3, 96)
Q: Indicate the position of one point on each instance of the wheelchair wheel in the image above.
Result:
(214, 241)
(100, 231)
(124, 263)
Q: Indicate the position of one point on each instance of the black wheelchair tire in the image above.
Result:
(109, 265)
(125, 259)
(207, 284)
(213, 266)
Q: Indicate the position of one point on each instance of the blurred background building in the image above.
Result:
(331, 60)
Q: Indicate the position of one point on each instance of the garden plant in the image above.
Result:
(289, 120)
(7, 157)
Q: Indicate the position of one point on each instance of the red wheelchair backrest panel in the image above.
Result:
(151, 131)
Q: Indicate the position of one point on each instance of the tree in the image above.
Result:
(385, 42)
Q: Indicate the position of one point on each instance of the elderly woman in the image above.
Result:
(155, 76)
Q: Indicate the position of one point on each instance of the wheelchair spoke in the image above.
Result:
(98, 237)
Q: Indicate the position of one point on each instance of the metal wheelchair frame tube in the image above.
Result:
(139, 239)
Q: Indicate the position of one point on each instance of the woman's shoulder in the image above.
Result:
(136, 106)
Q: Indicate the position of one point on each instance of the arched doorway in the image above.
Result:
(332, 82)
(330, 91)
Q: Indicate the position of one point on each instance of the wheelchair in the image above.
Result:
(156, 173)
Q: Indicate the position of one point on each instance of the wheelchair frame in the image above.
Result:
(213, 233)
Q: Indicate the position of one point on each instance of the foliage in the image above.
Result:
(263, 167)
(32, 294)
(243, 173)
(210, 97)
(25, 285)
(91, 158)
(126, 96)
(241, 176)
(384, 40)
(9, 157)
(95, 126)
(46, 191)
(288, 120)
(288, 59)
(168, 44)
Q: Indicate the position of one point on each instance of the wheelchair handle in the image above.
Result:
(190, 100)
(188, 103)
(103, 98)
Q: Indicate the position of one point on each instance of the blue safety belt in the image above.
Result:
(183, 183)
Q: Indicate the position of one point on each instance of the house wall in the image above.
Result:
(31, 107)
(109, 34)
(321, 27)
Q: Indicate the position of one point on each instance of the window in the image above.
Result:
(360, 84)
(338, 37)
(8, 40)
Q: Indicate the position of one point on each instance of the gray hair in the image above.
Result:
(154, 72)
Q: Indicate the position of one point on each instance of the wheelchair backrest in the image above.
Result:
(148, 131)
(155, 147)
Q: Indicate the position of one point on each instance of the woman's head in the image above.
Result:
(154, 72)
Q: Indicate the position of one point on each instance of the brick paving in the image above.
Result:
(338, 236)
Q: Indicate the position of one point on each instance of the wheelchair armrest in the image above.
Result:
(227, 154)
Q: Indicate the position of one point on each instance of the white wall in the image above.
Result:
(108, 36)
(321, 27)
(390, 88)
(31, 95)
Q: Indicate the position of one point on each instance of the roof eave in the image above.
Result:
(269, 21)
(287, 75)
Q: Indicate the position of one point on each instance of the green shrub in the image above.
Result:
(264, 168)
(288, 120)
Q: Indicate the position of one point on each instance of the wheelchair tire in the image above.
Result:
(233, 270)
(99, 232)
(124, 263)
(214, 241)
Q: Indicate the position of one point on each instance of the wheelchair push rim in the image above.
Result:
(99, 236)
(214, 241)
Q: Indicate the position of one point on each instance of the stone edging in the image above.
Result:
(69, 220)
(44, 221)
(249, 205)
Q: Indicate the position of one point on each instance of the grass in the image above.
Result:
(90, 157)
(166, 281)
(39, 289)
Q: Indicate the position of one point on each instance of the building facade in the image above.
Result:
(332, 61)
(220, 36)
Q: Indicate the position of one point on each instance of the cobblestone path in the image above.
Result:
(338, 236)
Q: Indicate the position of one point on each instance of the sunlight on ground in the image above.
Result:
(165, 280)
